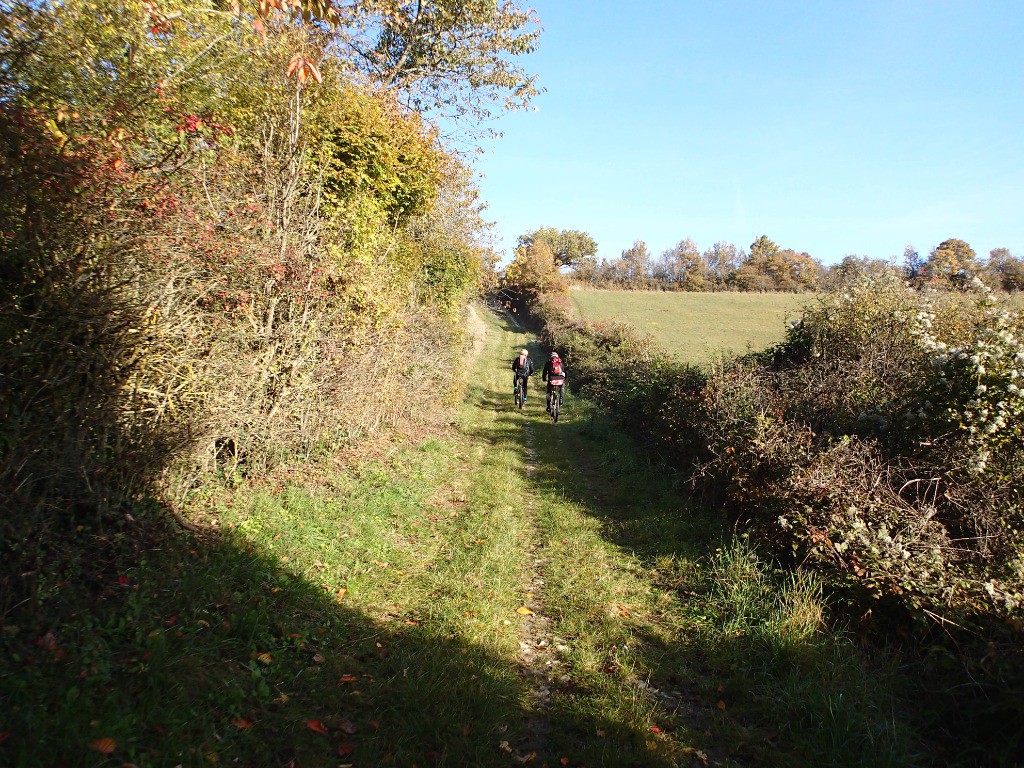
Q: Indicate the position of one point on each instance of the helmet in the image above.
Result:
(524, 352)
(554, 355)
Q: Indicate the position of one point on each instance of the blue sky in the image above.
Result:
(832, 127)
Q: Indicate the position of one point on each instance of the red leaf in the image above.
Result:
(317, 727)
(347, 679)
(104, 746)
(241, 722)
(257, 24)
(345, 749)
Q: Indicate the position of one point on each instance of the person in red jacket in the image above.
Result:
(554, 375)
(522, 369)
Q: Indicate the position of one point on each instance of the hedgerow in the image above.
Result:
(207, 272)
(879, 445)
(880, 442)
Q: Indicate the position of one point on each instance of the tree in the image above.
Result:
(852, 266)
(570, 247)
(533, 272)
(951, 261)
(636, 262)
(767, 268)
(455, 57)
(722, 260)
(913, 264)
(1007, 269)
(762, 250)
(682, 266)
(755, 273)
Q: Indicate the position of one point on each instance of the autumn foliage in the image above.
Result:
(220, 252)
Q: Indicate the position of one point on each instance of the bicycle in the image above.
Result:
(555, 401)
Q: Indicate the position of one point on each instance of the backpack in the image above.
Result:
(556, 367)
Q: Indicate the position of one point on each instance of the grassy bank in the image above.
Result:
(696, 326)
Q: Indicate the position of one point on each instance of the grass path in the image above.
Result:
(515, 592)
(648, 647)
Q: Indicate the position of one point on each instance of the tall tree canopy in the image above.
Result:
(951, 260)
(451, 56)
(569, 247)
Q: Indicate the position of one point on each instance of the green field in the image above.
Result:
(696, 326)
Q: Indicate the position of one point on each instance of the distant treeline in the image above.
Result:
(768, 267)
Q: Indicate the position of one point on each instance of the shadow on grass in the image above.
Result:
(748, 692)
(204, 650)
(199, 650)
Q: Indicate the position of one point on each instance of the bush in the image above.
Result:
(879, 448)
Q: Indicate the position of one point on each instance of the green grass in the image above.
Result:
(379, 606)
(697, 326)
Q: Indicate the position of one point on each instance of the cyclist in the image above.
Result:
(554, 375)
(522, 368)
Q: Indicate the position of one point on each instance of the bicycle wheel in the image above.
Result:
(556, 405)
(519, 396)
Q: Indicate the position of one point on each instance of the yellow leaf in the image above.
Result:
(524, 611)
(266, 658)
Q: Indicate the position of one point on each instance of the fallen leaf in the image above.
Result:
(721, 704)
(347, 679)
(342, 592)
(241, 722)
(524, 611)
(318, 658)
(265, 658)
(317, 727)
(345, 749)
(348, 727)
(622, 611)
(564, 761)
(104, 746)
(655, 729)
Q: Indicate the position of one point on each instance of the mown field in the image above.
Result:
(696, 326)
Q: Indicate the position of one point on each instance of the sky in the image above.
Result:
(835, 128)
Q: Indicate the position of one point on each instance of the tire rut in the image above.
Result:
(539, 659)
